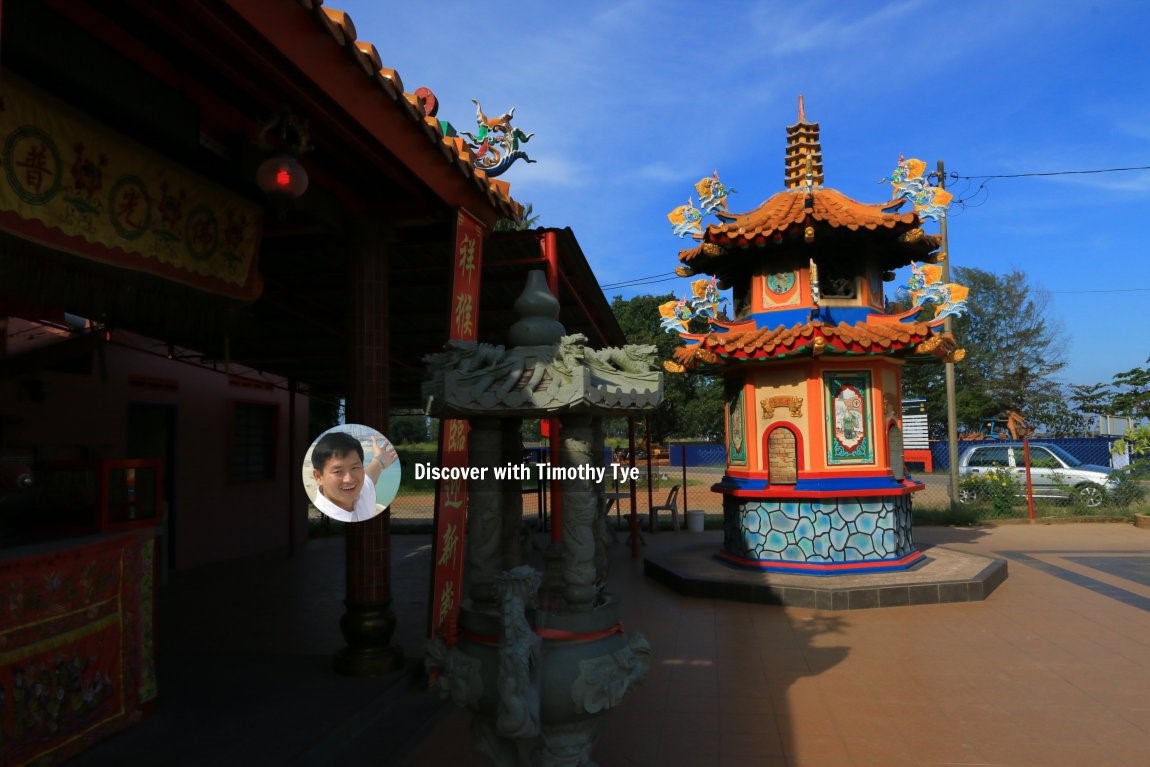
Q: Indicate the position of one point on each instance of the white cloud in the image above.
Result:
(660, 172)
(551, 170)
(811, 27)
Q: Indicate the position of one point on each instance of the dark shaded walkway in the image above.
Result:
(1050, 670)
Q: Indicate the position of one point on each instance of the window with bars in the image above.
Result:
(253, 441)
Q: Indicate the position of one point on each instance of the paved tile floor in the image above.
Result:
(1052, 670)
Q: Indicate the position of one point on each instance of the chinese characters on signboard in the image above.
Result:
(70, 183)
(451, 496)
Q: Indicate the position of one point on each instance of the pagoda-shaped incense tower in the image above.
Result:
(815, 480)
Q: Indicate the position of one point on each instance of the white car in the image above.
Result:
(1054, 473)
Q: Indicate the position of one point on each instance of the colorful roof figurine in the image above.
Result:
(804, 229)
(420, 106)
(910, 182)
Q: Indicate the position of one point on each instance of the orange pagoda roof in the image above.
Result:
(807, 213)
(782, 219)
(815, 338)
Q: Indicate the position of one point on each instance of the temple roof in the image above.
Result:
(805, 213)
(456, 151)
(782, 219)
(815, 338)
(794, 207)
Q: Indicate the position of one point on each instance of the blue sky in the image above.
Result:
(632, 102)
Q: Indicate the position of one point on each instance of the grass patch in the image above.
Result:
(973, 514)
(961, 516)
(409, 455)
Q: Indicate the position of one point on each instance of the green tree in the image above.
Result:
(1090, 400)
(527, 220)
(1013, 353)
(1128, 395)
(692, 404)
(408, 429)
(1132, 393)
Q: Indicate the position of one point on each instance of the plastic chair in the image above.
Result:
(672, 505)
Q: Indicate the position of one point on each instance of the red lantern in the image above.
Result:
(282, 178)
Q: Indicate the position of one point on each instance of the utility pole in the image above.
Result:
(948, 327)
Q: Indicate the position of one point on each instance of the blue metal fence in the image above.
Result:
(1094, 450)
(698, 454)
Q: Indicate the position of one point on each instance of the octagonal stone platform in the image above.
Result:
(941, 576)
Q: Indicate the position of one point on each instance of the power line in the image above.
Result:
(1102, 290)
(639, 281)
(962, 200)
(973, 177)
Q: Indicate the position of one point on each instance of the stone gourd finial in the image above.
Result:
(537, 309)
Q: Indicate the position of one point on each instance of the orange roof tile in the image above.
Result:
(788, 212)
(815, 338)
(340, 27)
(789, 208)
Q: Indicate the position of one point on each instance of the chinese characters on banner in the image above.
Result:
(451, 496)
(69, 183)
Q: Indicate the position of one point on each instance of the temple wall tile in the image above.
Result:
(794, 553)
(822, 547)
(849, 510)
(775, 541)
(780, 521)
(860, 543)
(804, 529)
(760, 530)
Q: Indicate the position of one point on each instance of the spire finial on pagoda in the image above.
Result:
(804, 161)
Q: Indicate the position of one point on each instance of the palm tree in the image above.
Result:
(525, 221)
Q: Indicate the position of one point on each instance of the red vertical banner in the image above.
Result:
(451, 495)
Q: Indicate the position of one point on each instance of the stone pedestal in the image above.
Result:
(541, 657)
(540, 689)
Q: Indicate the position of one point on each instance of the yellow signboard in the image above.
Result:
(72, 184)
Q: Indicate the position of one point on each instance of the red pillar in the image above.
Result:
(369, 621)
(550, 246)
